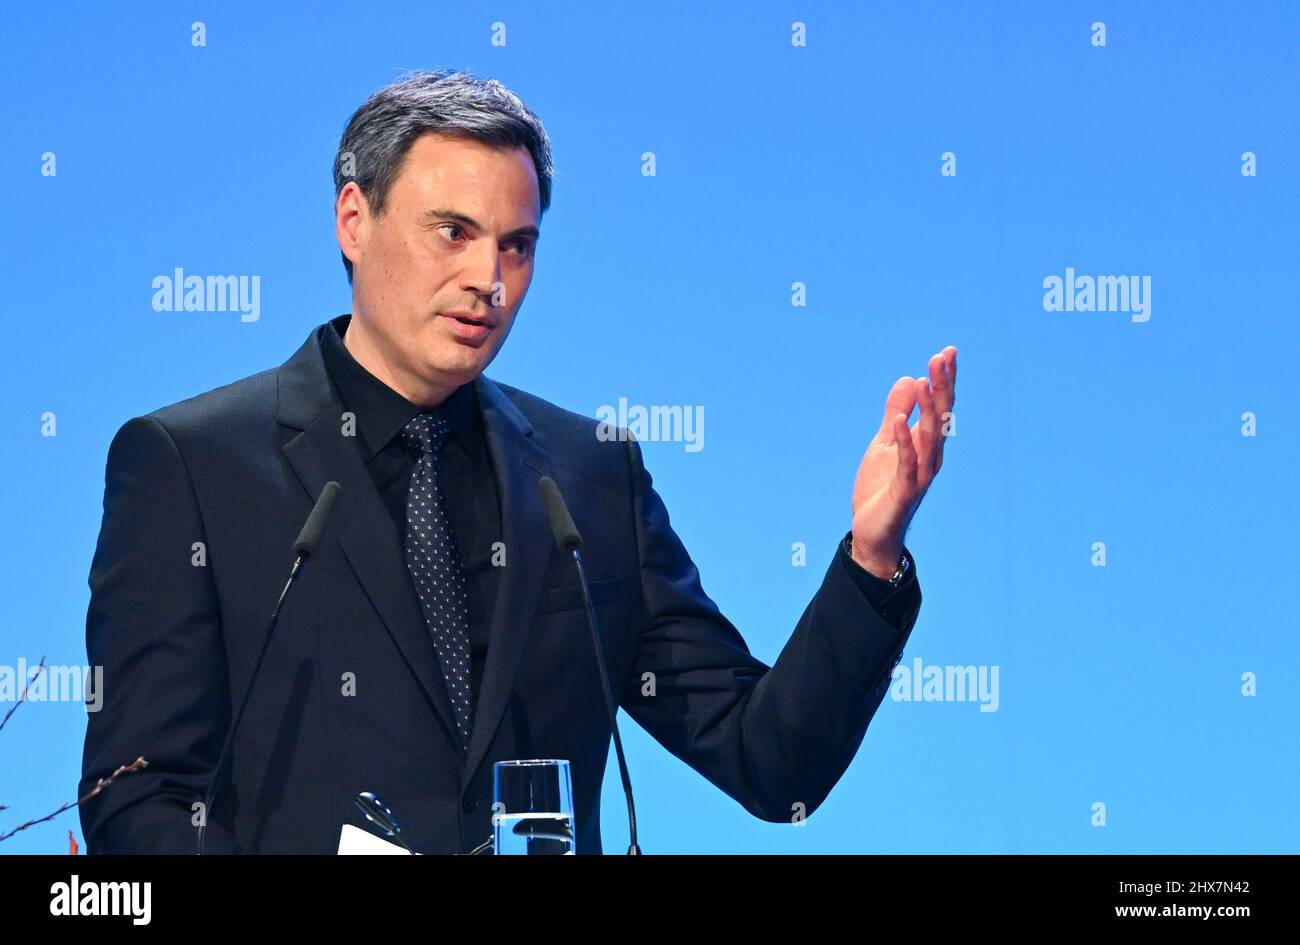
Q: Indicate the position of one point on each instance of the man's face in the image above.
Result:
(458, 235)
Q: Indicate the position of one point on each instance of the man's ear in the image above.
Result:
(352, 221)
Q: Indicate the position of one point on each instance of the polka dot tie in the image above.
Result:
(434, 562)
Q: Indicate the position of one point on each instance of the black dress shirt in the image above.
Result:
(470, 487)
(465, 472)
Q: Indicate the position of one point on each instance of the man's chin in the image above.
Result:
(460, 370)
(458, 358)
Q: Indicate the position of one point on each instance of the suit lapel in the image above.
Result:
(518, 463)
(307, 403)
(360, 521)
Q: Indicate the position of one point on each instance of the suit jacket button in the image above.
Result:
(469, 804)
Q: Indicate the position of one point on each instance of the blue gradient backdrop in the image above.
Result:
(776, 164)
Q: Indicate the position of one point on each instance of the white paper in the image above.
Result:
(353, 841)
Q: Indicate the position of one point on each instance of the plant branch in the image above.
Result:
(99, 786)
(40, 668)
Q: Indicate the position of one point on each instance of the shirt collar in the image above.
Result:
(381, 412)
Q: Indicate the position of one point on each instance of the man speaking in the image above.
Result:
(436, 628)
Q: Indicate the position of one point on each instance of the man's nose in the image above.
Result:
(482, 268)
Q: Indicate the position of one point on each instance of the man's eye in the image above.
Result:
(450, 226)
(522, 246)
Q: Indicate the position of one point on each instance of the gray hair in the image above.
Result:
(380, 132)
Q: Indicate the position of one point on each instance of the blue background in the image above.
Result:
(776, 164)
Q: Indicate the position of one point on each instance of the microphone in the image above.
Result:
(314, 530)
(377, 813)
(308, 542)
(569, 542)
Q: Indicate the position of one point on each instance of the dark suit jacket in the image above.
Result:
(203, 501)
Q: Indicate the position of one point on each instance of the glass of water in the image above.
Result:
(532, 807)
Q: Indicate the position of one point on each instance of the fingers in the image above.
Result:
(901, 399)
(943, 378)
(907, 459)
(939, 372)
(936, 399)
(927, 427)
(919, 459)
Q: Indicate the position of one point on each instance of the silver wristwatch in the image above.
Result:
(904, 563)
(904, 566)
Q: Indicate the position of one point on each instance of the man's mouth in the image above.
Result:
(470, 328)
(469, 318)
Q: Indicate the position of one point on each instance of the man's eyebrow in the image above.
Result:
(446, 213)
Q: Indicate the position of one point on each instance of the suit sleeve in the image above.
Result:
(895, 604)
(776, 739)
(154, 626)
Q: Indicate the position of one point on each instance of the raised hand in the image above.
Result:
(900, 463)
